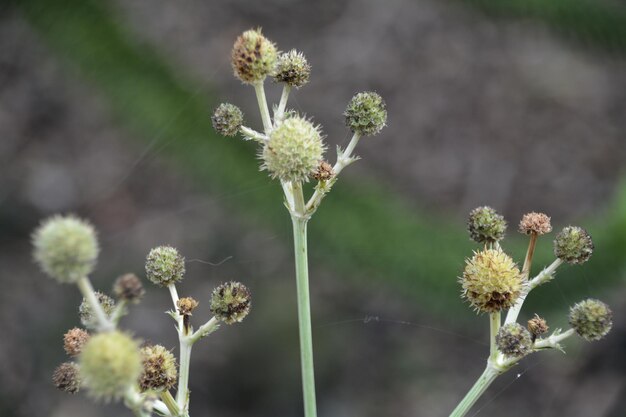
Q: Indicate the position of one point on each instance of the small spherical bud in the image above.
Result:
(165, 266)
(537, 223)
(253, 56)
(537, 326)
(186, 306)
(485, 225)
(128, 287)
(66, 377)
(514, 340)
(66, 248)
(109, 364)
(230, 302)
(592, 319)
(366, 113)
(87, 315)
(159, 369)
(491, 281)
(227, 119)
(293, 151)
(324, 172)
(573, 245)
(293, 69)
(74, 340)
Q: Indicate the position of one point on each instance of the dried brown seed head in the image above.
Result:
(186, 306)
(74, 340)
(128, 287)
(537, 326)
(538, 223)
(324, 172)
(66, 377)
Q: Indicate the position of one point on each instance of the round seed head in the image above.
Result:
(514, 340)
(485, 225)
(186, 306)
(227, 119)
(573, 245)
(165, 266)
(253, 56)
(293, 69)
(366, 113)
(159, 369)
(537, 326)
(110, 363)
(128, 287)
(74, 340)
(87, 315)
(592, 319)
(65, 248)
(324, 172)
(491, 281)
(230, 302)
(66, 377)
(293, 151)
(538, 223)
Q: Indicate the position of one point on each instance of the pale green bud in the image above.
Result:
(253, 56)
(366, 113)
(65, 248)
(573, 245)
(230, 302)
(165, 266)
(86, 314)
(292, 69)
(592, 319)
(485, 225)
(227, 119)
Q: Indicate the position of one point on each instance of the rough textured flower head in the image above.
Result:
(485, 225)
(227, 119)
(538, 223)
(324, 172)
(128, 287)
(366, 113)
(186, 306)
(74, 340)
(87, 315)
(573, 245)
(293, 69)
(491, 281)
(66, 248)
(66, 377)
(293, 151)
(253, 56)
(109, 364)
(592, 319)
(165, 266)
(537, 326)
(514, 340)
(159, 369)
(230, 302)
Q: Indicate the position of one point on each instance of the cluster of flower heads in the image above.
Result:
(294, 149)
(492, 281)
(107, 362)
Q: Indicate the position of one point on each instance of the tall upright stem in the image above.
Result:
(304, 314)
(259, 89)
(494, 326)
(479, 388)
(182, 392)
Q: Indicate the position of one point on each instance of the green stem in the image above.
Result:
(259, 89)
(494, 326)
(204, 330)
(280, 112)
(479, 388)
(304, 310)
(104, 324)
(182, 393)
(170, 402)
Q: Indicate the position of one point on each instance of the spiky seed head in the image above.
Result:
(293, 151)
(485, 225)
(227, 119)
(253, 56)
(159, 369)
(128, 287)
(186, 305)
(66, 248)
(292, 69)
(366, 113)
(573, 245)
(87, 315)
(324, 172)
(66, 377)
(74, 340)
(230, 302)
(491, 281)
(592, 319)
(514, 340)
(538, 223)
(110, 363)
(537, 326)
(165, 266)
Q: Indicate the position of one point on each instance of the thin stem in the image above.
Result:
(259, 89)
(553, 341)
(182, 394)
(280, 112)
(119, 312)
(479, 388)
(529, 255)
(104, 324)
(304, 312)
(162, 409)
(253, 134)
(204, 330)
(170, 402)
(494, 326)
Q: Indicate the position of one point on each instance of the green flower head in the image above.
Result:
(227, 119)
(592, 319)
(159, 369)
(366, 113)
(165, 266)
(253, 57)
(87, 315)
(514, 340)
(485, 225)
(230, 302)
(573, 245)
(292, 69)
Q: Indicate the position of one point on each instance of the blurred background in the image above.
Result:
(104, 112)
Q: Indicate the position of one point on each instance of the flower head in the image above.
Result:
(74, 340)
(159, 368)
(514, 340)
(537, 326)
(186, 305)
(230, 302)
(573, 245)
(66, 377)
(366, 113)
(128, 287)
(87, 315)
(253, 56)
(227, 119)
(165, 266)
(491, 281)
(592, 319)
(65, 248)
(292, 69)
(485, 225)
(538, 223)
